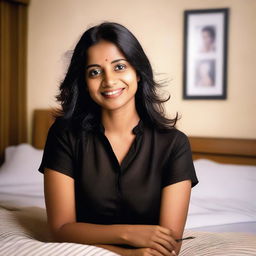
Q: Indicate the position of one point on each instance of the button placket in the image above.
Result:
(120, 168)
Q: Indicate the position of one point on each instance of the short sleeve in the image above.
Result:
(58, 153)
(180, 165)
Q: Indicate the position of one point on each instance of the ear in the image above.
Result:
(138, 78)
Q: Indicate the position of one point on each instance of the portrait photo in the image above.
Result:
(205, 54)
(207, 36)
(205, 73)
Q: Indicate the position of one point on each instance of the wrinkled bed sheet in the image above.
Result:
(24, 232)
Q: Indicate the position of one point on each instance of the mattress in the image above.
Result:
(25, 232)
(244, 227)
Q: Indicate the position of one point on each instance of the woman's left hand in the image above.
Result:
(150, 236)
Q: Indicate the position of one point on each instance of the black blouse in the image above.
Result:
(109, 193)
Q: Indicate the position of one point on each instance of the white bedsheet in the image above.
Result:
(15, 201)
(25, 233)
(225, 195)
(243, 227)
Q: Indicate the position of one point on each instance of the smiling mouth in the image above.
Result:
(114, 93)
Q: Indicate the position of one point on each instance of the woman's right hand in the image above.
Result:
(154, 240)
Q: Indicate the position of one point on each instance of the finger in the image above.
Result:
(174, 253)
(170, 240)
(171, 243)
(164, 230)
(161, 249)
(164, 242)
(154, 252)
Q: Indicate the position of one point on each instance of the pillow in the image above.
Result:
(225, 194)
(19, 174)
(225, 181)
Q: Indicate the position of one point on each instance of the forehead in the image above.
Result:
(102, 52)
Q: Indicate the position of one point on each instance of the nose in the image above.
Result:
(109, 79)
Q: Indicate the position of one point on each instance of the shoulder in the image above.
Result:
(63, 129)
(172, 134)
(60, 127)
(172, 141)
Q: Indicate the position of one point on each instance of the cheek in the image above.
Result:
(130, 79)
(91, 85)
(91, 88)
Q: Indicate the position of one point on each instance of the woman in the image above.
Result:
(208, 39)
(205, 73)
(117, 173)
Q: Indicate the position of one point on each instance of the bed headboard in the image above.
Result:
(223, 150)
(42, 120)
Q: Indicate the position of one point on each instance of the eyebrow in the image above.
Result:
(97, 65)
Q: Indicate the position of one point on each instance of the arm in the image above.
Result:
(60, 205)
(174, 208)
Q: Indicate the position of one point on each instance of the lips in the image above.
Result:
(112, 93)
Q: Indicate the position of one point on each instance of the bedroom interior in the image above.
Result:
(222, 133)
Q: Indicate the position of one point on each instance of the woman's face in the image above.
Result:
(207, 38)
(204, 69)
(111, 80)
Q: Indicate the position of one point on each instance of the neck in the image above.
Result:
(119, 121)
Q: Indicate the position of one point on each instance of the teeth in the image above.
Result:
(112, 93)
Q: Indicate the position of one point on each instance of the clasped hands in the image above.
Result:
(150, 240)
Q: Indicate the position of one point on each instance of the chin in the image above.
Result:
(118, 105)
(111, 108)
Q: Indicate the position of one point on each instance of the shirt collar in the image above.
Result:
(138, 129)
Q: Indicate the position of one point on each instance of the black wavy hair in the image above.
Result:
(76, 103)
(210, 30)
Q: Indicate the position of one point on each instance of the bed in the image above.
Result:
(222, 213)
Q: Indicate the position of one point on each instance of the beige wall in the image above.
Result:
(55, 26)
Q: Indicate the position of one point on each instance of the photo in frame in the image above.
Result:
(205, 54)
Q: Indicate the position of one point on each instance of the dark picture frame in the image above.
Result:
(205, 54)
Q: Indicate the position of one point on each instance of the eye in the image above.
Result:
(94, 72)
(120, 67)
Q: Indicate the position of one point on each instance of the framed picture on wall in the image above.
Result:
(205, 54)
